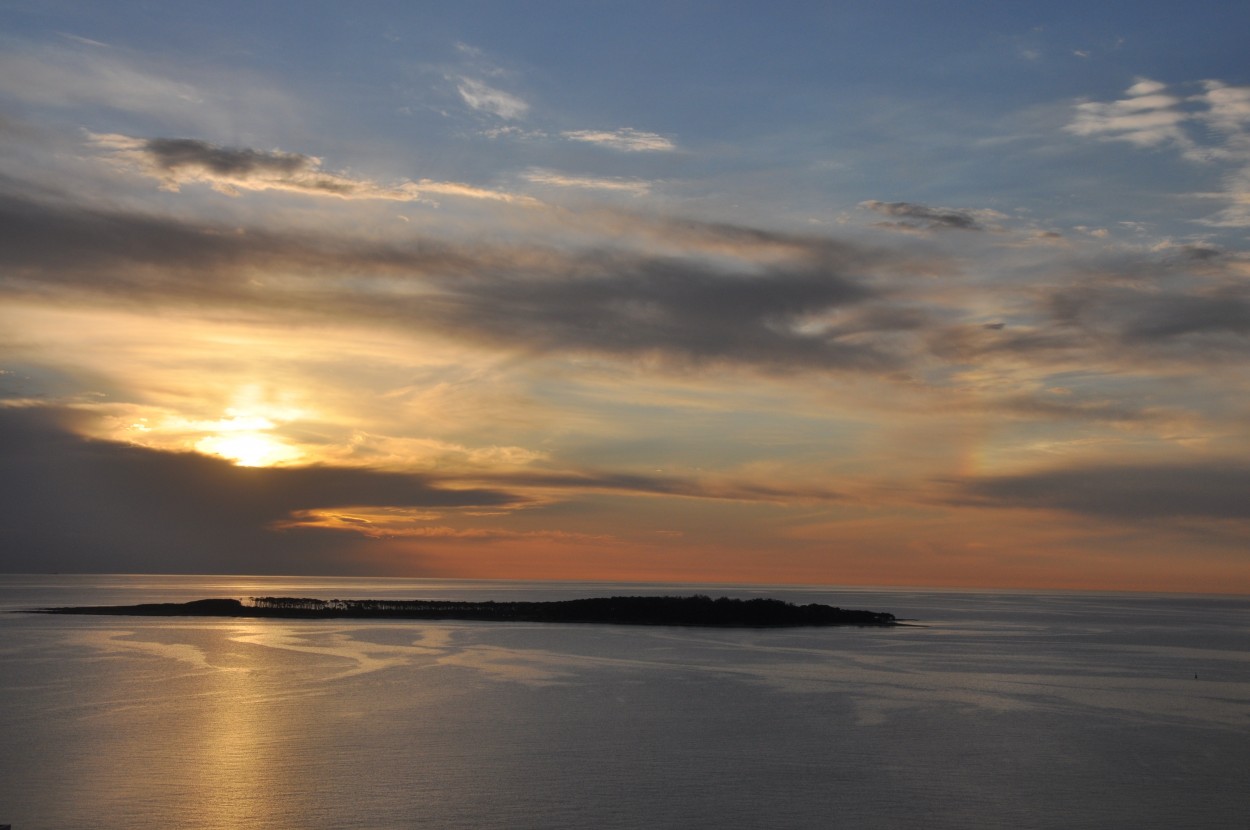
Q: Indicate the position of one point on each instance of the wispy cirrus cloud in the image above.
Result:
(67, 76)
(625, 139)
(488, 99)
(1211, 127)
(1228, 108)
(468, 191)
(1147, 116)
(85, 73)
(554, 178)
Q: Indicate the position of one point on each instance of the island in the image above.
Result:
(698, 610)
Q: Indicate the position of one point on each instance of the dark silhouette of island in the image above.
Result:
(662, 610)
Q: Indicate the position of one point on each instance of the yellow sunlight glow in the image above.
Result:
(248, 449)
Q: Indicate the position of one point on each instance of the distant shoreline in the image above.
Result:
(697, 610)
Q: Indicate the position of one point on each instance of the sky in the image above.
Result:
(840, 293)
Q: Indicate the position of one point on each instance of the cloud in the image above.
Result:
(795, 316)
(469, 191)
(258, 492)
(513, 131)
(1128, 492)
(84, 76)
(683, 294)
(375, 523)
(76, 504)
(675, 310)
(554, 179)
(51, 245)
(1202, 251)
(625, 139)
(1147, 117)
(1036, 408)
(912, 216)
(73, 503)
(179, 161)
(1228, 114)
(709, 295)
(1211, 127)
(1175, 316)
(70, 77)
(1228, 108)
(1195, 324)
(1145, 86)
(714, 488)
(1185, 304)
(493, 101)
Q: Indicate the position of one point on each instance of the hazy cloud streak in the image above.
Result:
(493, 101)
(912, 216)
(1128, 492)
(625, 139)
(555, 179)
(612, 302)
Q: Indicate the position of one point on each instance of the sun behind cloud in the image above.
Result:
(249, 449)
(245, 440)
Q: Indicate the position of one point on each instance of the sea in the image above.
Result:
(988, 709)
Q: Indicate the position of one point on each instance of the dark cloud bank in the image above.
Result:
(821, 309)
(76, 504)
(1126, 492)
(541, 300)
(70, 503)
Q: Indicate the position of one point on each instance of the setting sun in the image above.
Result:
(249, 449)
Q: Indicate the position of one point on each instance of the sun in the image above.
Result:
(248, 449)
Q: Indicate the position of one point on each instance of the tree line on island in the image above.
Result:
(698, 609)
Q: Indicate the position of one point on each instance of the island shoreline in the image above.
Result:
(697, 610)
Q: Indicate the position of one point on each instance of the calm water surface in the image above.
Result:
(1003, 710)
